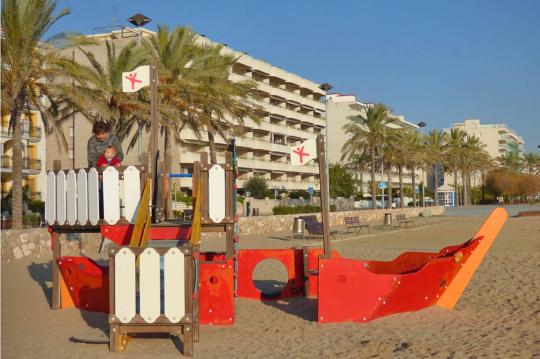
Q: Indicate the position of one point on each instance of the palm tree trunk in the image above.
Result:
(373, 185)
(469, 188)
(436, 185)
(212, 146)
(400, 169)
(464, 183)
(17, 171)
(456, 191)
(413, 180)
(389, 201)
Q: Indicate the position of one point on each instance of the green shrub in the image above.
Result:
(257, 187)
(298, 194)
(31, 220)
(36, 205)
(182, 197)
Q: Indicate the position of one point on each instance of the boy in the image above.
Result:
(100, 141)
(109, 158)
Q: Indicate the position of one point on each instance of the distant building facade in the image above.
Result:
(495, 138)
(34, 155)
(339, 108)
(294, 112)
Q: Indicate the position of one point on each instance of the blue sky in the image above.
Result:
(432, 61)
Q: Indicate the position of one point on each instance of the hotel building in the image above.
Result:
(495, 138)
(293, 112)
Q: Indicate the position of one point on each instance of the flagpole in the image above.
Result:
(324, 187)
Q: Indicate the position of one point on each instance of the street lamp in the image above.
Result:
(422, 124)
(139, 20)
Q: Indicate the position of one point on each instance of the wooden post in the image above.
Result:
(324, 187)
(57, 252)
(152, 168)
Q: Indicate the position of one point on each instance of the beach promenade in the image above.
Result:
(497, 316)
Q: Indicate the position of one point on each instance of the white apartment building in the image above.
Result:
(339, 108)
(495, 138)
(293, 108)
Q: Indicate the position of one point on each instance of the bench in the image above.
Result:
(354, 222)
(187, 215)
(401, 219)
(314, 227)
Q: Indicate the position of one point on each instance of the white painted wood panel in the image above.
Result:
(132, 190)
(93, 196)
(174, 285)
(111, 195)
(61, 197)
(216, 191)
(50, 200)
(149, 285)
(124, 285)
(82, 197)
(71, 197)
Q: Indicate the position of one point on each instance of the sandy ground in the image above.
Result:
(498, 316)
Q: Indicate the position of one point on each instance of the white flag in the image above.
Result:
(300, 155)
(135, 80)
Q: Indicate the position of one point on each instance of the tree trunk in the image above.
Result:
(464, 183)
(373, 184)
(400, 169)
(469, 188)
(413, 180)
(389, 201)
(17, 171)
(361, 182)
(168, 169)
(212, 146)
(456, 190)
(436, 185)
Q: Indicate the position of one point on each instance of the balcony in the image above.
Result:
(284, 112)
(33, 133)
(272, 90)
(30, 165)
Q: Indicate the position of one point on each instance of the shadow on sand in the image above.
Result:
(304, 308)
(42, 274)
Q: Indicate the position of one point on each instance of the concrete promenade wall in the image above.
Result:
(36, 242)
(283, 223)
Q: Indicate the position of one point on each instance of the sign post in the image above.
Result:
(300, 155)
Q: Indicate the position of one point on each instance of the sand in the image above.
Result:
(498, 315)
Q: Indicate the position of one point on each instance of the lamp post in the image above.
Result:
(422, 124)
(139, 20)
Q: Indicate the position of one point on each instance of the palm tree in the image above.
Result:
(435, 145)
(97, 91)
(367, 132)
(531, 162)
(400, 153)
(26, 67)
(358, 164)
(472, 154)
(453, 151)
(223, 104)
(413, 144)
(173, 52)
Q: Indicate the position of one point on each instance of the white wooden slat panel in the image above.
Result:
(216, 190)
(93, 196)
(149, 285)
(132, 189)
(71, 199)
(82, 197)
(174, 285)
(124, 285)
(111, 195)
(61, 197)
(50, 201)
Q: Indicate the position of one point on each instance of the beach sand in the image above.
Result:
(498, 315)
